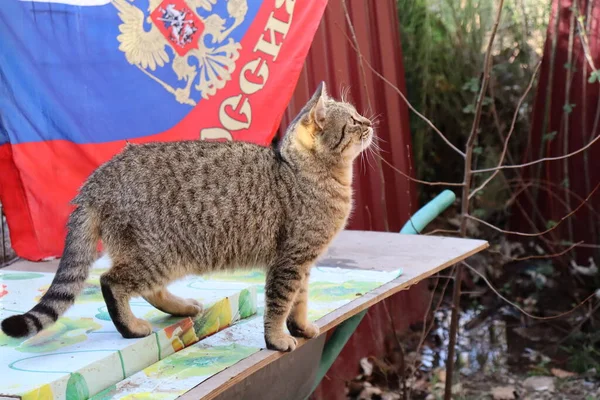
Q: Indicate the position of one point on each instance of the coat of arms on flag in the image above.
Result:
(204, 54)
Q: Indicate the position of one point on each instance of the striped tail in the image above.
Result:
(79, 254)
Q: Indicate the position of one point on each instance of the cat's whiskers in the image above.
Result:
(376, 146)
(375, 118)
(362, 155)
(371, 153)
(345, 90)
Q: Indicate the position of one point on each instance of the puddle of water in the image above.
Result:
(481, 349)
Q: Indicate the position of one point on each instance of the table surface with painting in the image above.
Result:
(359, 270)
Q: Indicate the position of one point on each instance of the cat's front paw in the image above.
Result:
(281, 342)
(308, 330)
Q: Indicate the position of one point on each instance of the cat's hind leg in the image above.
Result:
(167, 302)
(118, 285)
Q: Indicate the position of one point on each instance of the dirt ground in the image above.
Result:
(490, 365)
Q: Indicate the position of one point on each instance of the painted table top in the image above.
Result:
(359, 270)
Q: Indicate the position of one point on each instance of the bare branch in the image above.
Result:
(448, 231)
(415, 179)
(542, 183)
(510, 132)
(585, 44)
(584, 245)
(493, 289)
(542, 257)
(541, 160)
(399, 92)
(540, 233)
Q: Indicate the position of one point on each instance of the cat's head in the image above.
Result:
(330, 130)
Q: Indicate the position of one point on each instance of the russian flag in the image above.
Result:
(79, 78)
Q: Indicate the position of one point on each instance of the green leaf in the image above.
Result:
(565, 183)
(594, 76)
(77, 388)
(479, 213)
(549, 136)
(568, 108)
(551, 224)
(546, 269)
(472, 85)
(470, 109)
(478, 150)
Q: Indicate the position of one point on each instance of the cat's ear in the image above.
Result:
(319, 109)
(319, 112)
(312, 118)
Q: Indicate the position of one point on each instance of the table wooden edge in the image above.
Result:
(218, 383)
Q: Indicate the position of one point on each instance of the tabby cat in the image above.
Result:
(167, 210)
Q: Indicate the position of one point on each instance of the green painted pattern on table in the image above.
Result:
(122, 364)
(19, 276)
(199, 361)
(214, 319)
(246, 304)
(65, 332)
(12, 365)
(109, 393)
(77, 388)
(158, 345)
(330, 291)
(160, 319)
(253, 276)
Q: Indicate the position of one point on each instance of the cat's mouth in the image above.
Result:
(366, 138)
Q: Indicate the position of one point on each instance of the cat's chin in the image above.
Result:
(366, 143)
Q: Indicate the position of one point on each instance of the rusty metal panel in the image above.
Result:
(383, 198)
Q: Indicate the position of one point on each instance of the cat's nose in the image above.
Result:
(366, 122)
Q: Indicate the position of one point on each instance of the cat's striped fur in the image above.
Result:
(166, 210)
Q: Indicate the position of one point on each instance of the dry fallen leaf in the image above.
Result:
(562, 374)
(421, 385)
(441, 374)
(457, 388)
(539, 383)
(503, 393)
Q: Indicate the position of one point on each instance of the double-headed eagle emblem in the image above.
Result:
(203, 53)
